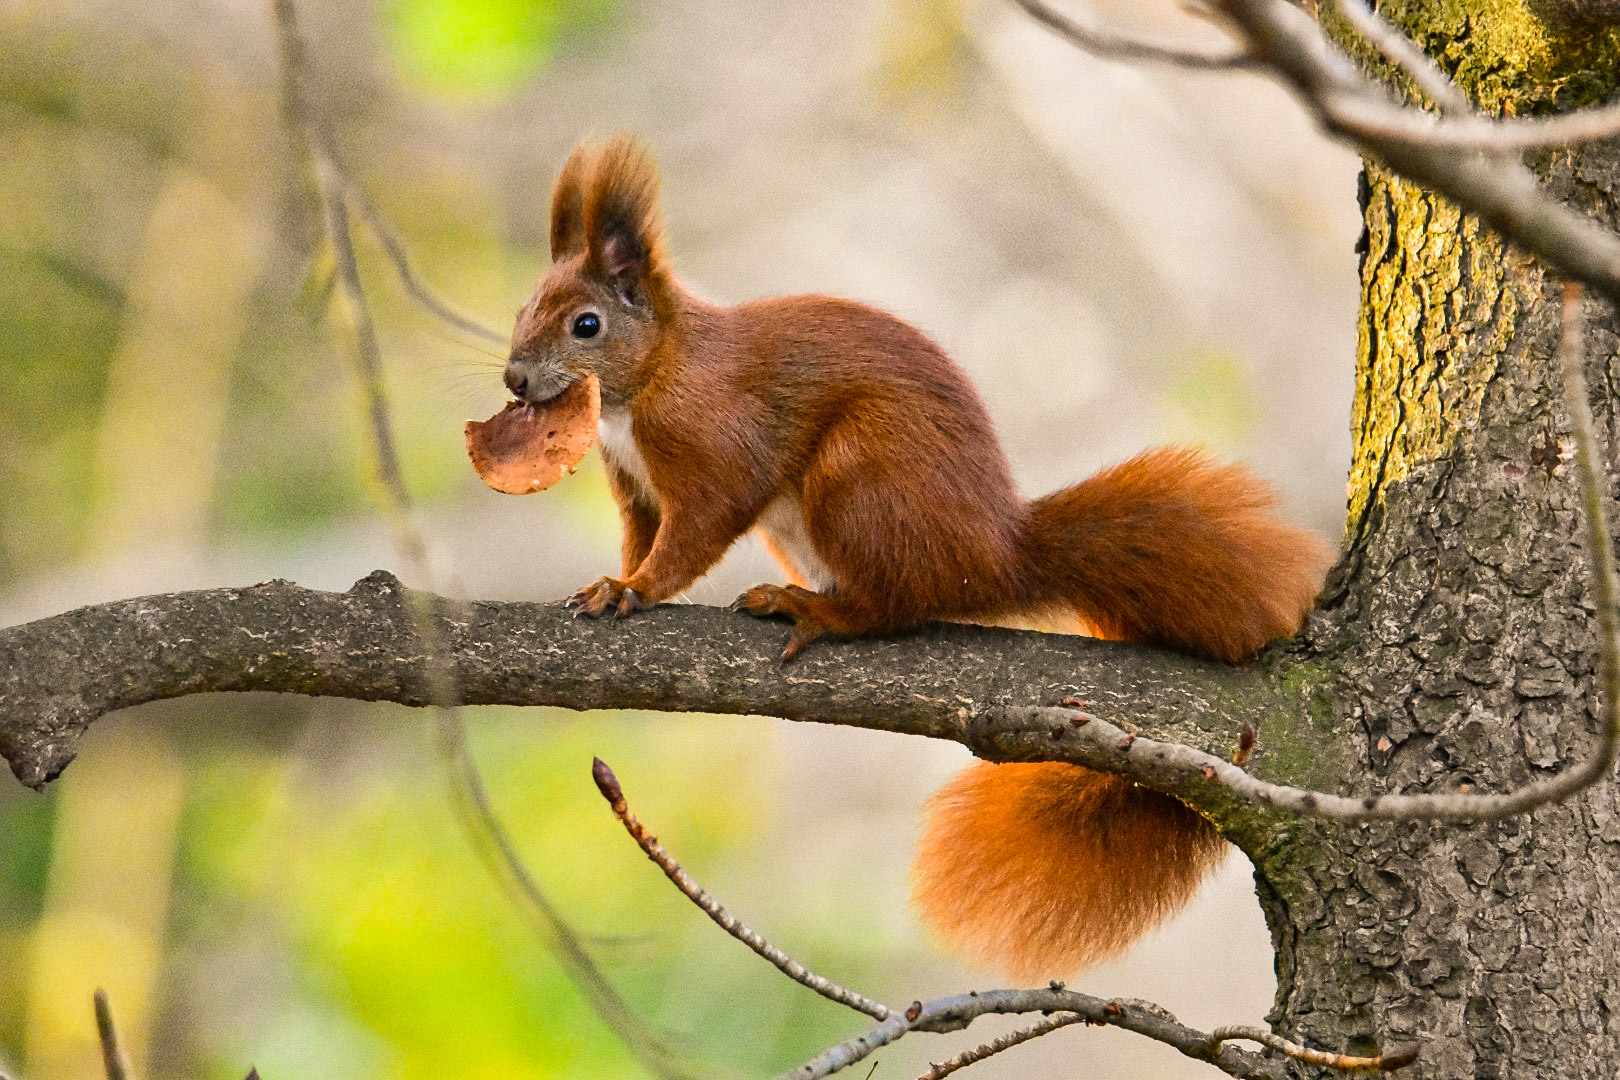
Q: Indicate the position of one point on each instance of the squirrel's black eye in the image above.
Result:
(588, 324)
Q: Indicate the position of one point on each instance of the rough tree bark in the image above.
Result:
(1454, 645)
(1455, 641)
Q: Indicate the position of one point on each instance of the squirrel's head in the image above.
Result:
(600, 309)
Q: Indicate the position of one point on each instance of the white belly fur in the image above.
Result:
(613, 428)
(783, 521)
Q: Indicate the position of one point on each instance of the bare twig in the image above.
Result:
(113, 1057)
(418, 289)
(1175, 767)
(1367, 116)
(1467, 129)
(309, 131)
(955, 1013)
(315, 138)
(608, 784)
(1400, 50)
(1439, 154)
(1390, 1062)
(1118, 47)
(1507, 197)
(997, 1045)
(1381, 121)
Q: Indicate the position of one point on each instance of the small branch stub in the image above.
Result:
(1246, 743)
(113, 1057)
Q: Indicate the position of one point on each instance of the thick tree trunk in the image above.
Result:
(1459, 627)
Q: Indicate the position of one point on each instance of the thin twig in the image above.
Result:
(472, 803)
(507, 866)
(1401, 51)
(1175, 767)
(997, 1045)
(611, 790)
(955, 1013)
(113, 1057)
(1119, 47)
(368, 370)
(1390, 1062)
(308, 130)
(1376, 119)
(418, 289)
(312, 132)
(1468, 129)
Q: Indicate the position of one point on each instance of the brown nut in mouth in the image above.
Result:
(526, 448)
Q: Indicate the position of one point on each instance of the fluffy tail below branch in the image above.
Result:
(1042, 869)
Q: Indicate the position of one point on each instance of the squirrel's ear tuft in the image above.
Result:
(568, 205)
(623, 233)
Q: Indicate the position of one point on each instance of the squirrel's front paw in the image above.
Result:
(604, 593)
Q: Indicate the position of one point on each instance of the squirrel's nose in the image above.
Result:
(515, 380)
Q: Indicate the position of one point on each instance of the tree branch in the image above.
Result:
(1403, 52)
(1001, 1043)
(1441, 154)
(1504, 195)
(1119, 47)
(60, 674)
(955, 1013)
(608, 784)
(1390, 1062)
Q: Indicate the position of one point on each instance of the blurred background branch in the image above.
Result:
(307, 119)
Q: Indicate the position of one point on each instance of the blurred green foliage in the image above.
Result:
(483, 48)
(1208, 400)
(406, 959)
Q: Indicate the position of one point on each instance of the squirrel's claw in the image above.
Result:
(761, 601)
(594, 599)
(606, 596)
(804, 632)
(764, 601)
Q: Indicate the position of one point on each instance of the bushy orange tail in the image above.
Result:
(1041, 869)
(1172, 549)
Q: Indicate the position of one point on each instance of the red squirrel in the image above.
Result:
(863, 456)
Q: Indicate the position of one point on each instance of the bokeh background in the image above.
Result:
(1119, 254)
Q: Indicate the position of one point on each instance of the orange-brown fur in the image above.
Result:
(862, 435)
(1041, 869)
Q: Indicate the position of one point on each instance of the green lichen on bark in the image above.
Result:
(1433, 277)
(1512, 57)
